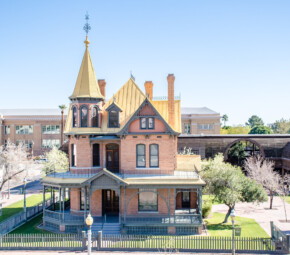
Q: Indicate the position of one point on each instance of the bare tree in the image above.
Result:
(14, 163)
(262, 170)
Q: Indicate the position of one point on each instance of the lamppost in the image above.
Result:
(24, 202)
(89, 222)
(233, 223)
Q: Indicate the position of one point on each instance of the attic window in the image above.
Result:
(147, 123)
(113, 119)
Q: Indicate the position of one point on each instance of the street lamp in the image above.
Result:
(233, 223)
(24, 202)
(89, 222)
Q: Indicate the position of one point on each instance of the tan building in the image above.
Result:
(200, 120)
(39, 129)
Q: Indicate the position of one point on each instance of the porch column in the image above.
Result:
(90, 195)
(174, 203)
(125, 205)
(59, 198)
(169, 204)
(43, 203)
(63, 201)
(120, 205)
(199, 194)
(85, 215)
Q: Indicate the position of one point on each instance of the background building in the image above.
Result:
(200, 120)
(39, 129)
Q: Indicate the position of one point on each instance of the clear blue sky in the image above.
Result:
(231, 56)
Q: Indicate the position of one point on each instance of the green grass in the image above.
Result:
(30, 227)
(17, 207)
(250, 228)
(209, 198)
(287, 199)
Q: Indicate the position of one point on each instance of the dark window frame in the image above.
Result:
(73, 161)
(74, 118)
(147, 122)
(97, 116)
(153, 155)
(140, 155)
(155, 192)
(109, 124)
(81, 115)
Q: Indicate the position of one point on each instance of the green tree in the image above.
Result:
(281, 127)
(229, 185)
(236, 153)
(225, 118)
(57, 161)
(235, 130)
(255, 121)
(260, 130)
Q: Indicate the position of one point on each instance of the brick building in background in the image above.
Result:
(38, 129)
(200, 120)
(124, 167)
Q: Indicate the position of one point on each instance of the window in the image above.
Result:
(28, 143)
(186, 128)
(73, 155)
(75, 117)
(113, 119)
(147, 123)
(84, 116)
(205, 126)
(96, 154)
(50, 129)
(26, 129)
(147, 200)
(6, 130)
(49, 143)
(95, 116)
(140, 153)
(154, 155)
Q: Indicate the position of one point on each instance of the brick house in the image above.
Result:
(124, 167)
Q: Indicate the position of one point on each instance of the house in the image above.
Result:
(124, 167)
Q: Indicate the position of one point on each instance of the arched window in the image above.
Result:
(84, 111)
(74, 117)
(140, 155)
(95, 116)
(154, 155)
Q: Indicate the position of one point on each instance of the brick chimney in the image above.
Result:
(171, 109)
(102, 85)
(149, 89)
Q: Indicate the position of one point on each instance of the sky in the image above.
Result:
(230, 56)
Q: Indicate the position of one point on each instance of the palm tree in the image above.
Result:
(225, 118)
(62, 108)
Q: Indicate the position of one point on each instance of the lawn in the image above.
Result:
(209, 198)
(17, 207)
(287, 199)
(250, 228)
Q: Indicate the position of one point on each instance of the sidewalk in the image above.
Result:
(261, 213)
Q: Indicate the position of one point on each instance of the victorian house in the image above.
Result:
(124, 167)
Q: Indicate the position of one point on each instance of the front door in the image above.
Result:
(110, 202)
(185, 199)
(112, 157)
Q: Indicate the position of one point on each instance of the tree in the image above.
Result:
(62, 108)
(57, 161)
(14, 163)
(225, 118)
(239, 129)
(229, 185)
(281, 126)
(260, 130)
(237, 153)
(254, 120)
(262, 170)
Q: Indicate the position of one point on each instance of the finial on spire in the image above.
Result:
(132, 77)
(87, 28)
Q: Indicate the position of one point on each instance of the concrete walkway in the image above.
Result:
(262, 214)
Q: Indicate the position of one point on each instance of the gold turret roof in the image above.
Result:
(87, 84)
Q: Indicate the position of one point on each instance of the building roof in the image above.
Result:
(30, 112)
(197, 110)
(87, 84)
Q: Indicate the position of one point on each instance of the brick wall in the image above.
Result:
(75, 199)
(134, 127)
(96, 203)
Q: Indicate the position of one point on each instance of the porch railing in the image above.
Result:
(65, 217)
(183, 219)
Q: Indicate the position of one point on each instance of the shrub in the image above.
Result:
(206, 209)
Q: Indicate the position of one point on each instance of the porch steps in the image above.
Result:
(107, 228)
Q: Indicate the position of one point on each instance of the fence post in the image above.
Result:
(84, 239)
(272, 229)
(99, 245)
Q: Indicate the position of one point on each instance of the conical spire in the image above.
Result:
(87, 84)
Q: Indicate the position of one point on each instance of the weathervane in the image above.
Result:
(87, 26)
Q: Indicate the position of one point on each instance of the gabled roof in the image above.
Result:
(87, 85)
(197, 110)
(114, 106)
